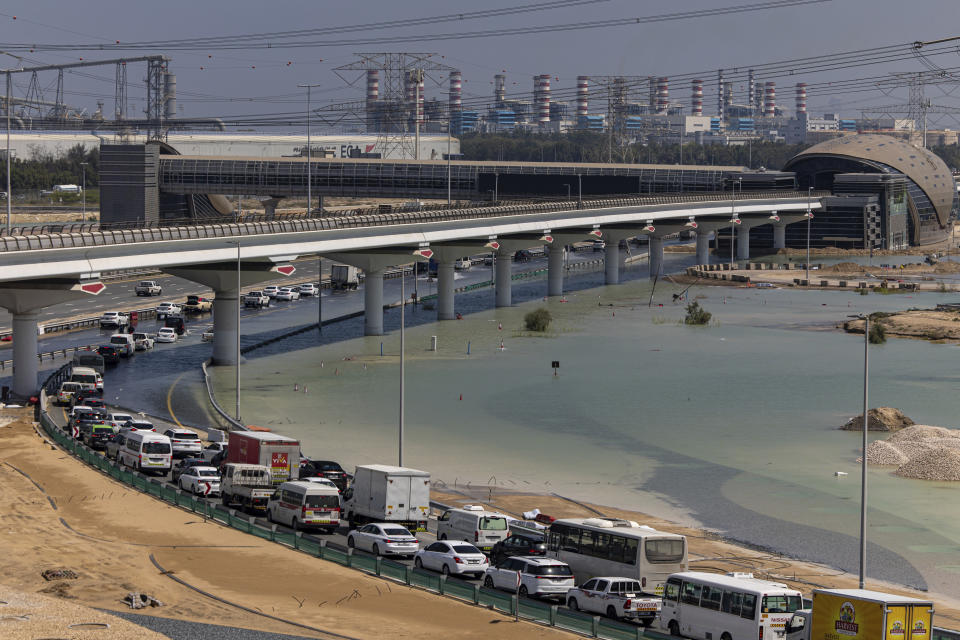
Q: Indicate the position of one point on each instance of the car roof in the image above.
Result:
(203, 466)
(181, 430)
(541, 561)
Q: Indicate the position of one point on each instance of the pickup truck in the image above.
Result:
(198, 304)
(249, 485)
(148, 288)
(615, 598)
(256, 299)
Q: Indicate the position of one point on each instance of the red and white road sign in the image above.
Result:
(423, 253)
(285, 269)
(76, 431)
(92, 288)
(206, 488)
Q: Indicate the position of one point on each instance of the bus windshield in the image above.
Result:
(781, 604)
(664, 551)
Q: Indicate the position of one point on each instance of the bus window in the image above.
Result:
(571, 540)
(731, 602)
(749, 608)
(710, 597)
(671, 591)
(690, 594)
(630, 546)
(664, 551)
(781, 604)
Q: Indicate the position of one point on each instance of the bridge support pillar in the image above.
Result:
(555, 254)
(779, 236)
(656, 256)
(373, 303)
(25, 364)
(225, 326)
(445, 294)
(611, 262)
(703, 247)
(504, 284)
(743, 242)
(270, 207)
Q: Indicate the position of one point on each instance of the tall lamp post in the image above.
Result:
(863, 465)
(809, 216)
(83, 192)
(308, 87)
(403, 305)
(7, 104)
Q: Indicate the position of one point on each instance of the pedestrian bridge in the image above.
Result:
(44, 269)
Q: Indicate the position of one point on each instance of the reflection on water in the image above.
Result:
(731, 426)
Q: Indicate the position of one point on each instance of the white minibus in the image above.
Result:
(723, 607)
(613, 547)
(303, 504)
(146, 451)
(473, 524)
(86, 375)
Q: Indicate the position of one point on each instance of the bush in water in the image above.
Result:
(538, 320)
(697, 314)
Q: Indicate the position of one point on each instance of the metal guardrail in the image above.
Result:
(52, 355)
(213, 401)
(92, 236)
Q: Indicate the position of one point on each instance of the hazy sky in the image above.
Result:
(270, 77)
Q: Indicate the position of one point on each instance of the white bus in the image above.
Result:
(727, 607)
(611, 547)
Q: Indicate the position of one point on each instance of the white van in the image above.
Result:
(305, 504)
(86, 375)
(481, 528)
(124, 342)
(146, 451)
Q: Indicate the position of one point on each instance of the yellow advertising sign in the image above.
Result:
(837, 617)
(897, 623)
(921, 621)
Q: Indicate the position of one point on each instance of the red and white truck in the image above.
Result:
(278, 453)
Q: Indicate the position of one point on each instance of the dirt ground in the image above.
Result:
(708, 552)
(78, 519)
(927, 324)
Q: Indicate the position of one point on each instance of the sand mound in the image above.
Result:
(921, 432)
(940, 463)
(885, 454)
(844, 267)
(879, 419)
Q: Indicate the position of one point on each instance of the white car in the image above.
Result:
(538, 576)
(168, 308)
(118, 419)
(271, 290)
(308, 289)
(383, 538)
(452, 557)
(463, 264)
(142, 342)
(184, 442)
(166, 334)
(207, 336)
(212, 449)
(288, 293)
(196, 479)
(114, 319)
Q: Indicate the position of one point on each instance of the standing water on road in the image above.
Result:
(732, 426)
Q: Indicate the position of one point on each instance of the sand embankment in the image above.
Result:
(78, 519)
(920, 451)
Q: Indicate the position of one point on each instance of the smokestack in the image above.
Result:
(583, 96)
(696, 97)
(652, 100)
(751, 93)
(663, 94)
(727, 95)
(500, 88)
(420, 101)
(720, 110)
(456, 91)
(542, 97)
(769, 99)
(169, 95)
(801, 99)
(373, 95)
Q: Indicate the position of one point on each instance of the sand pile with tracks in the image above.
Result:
(920, 451)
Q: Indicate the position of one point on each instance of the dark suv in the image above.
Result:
(97, 434)
(517, 545)
(110, 353)
(325, 469)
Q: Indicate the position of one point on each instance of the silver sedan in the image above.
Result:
(383, 538)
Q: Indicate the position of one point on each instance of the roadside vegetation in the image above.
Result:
(538, 320)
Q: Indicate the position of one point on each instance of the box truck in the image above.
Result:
(278, 453)
(383, 493)
(344, 277)
(860, 614)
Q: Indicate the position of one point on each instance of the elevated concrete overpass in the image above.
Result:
(43, 270)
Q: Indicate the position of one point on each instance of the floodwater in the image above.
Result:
(732, 426)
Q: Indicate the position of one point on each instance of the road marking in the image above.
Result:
(170, 397)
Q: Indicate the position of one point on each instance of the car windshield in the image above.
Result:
(466, 548)
(398, 531)
(493, 523)
(207, 473)
(781, 604)
(560, 570)
(156, 447)
(324, 502)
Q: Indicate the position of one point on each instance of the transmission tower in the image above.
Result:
(394, 105)
(918, 106)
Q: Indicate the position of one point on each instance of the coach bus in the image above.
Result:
(724, 607)
(612, 547)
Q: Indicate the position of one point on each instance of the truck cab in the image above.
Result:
(798, 627)
(249, 485)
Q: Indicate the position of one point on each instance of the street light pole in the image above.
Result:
(308, 87)
(9, 193)
(83, 192)
(809, 216)
(568, 190)
(403, 304)
(863, 460)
